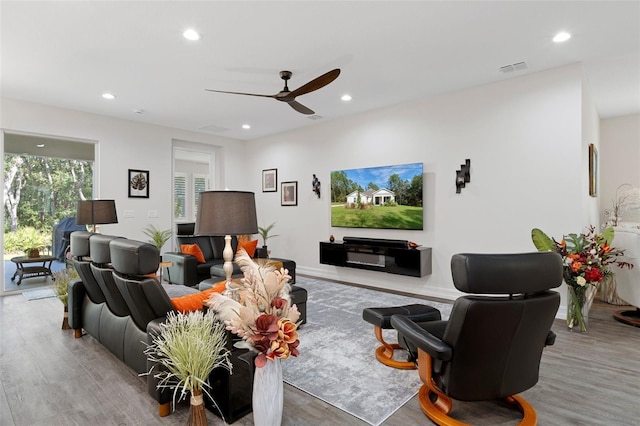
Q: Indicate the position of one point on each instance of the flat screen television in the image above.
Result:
(386, 197)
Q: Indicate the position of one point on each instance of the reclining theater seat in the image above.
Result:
(86, 299)
(147, 301)
(490, 348)
(116, 317)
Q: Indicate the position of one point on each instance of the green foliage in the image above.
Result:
(24, 239)
(157, 237)
(44, 189)
(404, 217)
(188, 348)
(542, 240)
(264, 233)
(61, 283)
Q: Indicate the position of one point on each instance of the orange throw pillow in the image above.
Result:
(194, 250)
(193, 302)
(248, 246)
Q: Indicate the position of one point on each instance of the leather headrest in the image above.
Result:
(130, 257)
(506, 273)
(80, 243)
(185, 228)
(99, 247)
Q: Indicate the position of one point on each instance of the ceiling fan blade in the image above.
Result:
(241, 93)
(316, 83)
(300, 108)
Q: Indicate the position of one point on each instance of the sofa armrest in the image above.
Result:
(184, 270)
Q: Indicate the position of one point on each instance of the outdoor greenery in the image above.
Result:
(40, 191)
(404, 217)
(407, 193)
(24, 239)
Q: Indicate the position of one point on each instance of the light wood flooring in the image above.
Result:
(49, 378)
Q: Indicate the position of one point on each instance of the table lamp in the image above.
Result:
(226, 213)
(96, 212)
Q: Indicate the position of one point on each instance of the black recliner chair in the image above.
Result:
(490, 348)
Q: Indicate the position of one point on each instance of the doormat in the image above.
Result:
(41, 293)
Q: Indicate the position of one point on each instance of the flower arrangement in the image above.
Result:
(586, 259)
(260, 311)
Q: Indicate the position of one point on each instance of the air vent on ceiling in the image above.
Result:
(315, 117)
(518, 66)
(213, 128)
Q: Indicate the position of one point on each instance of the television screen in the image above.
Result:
(377, 197)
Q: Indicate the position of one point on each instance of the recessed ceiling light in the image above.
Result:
(191, 34)
(246, 126)
(40, 145)
(561, 36)
(108, 96)
(346, 97)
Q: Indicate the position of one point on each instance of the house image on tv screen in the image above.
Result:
(376, 197)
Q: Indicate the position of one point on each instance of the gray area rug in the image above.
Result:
(337, 362)
(40, 293)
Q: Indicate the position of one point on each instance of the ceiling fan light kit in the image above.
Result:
(285, 95)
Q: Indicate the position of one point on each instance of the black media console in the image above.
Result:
(377, 254)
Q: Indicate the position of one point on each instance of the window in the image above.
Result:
(187, 188)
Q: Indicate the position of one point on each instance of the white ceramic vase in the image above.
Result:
(268, 394)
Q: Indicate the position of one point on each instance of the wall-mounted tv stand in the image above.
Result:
(376, 254)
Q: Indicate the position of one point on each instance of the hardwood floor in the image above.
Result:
(49, 378)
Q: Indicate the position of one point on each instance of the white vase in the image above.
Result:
(268, 394)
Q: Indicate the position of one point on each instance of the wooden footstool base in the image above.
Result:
(381, 320)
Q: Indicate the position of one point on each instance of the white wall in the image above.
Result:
(524, 139)
(124, 145)
(619, 156)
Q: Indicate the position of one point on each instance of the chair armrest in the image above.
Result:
(424, 340)
(184, 270)
(76, 292)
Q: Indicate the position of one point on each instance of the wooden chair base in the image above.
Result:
(384, 353)
(77, 333)
(628, 317)
(441, 406)
(164, 409)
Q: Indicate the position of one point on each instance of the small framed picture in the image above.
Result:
(289, 195)
(138, 182)
(593, 170)
(270, 180)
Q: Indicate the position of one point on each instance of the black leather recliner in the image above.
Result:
(490, 348)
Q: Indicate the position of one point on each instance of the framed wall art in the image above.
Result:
(270, 180)
(593, 170)
(289, 196)
(138, 182)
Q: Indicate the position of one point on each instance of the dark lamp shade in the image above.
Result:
(226, 213)
(96, 212)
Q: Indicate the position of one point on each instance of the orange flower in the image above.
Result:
(573, 256)
(575, 266)
(288, 331)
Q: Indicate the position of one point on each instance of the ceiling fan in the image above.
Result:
(285, 95)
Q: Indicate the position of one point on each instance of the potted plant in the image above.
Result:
(157, 237)
(264, 233)
(61, 287)
(187, 349)
(31, 240)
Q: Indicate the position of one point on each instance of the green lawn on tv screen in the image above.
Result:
(399, 217)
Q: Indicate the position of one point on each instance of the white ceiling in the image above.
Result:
(67, 54)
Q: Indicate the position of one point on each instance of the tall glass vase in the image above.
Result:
(578, 305)
(268, 394)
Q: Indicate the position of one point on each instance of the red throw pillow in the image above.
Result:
(193, 302)
(194, 250)
(248, 246)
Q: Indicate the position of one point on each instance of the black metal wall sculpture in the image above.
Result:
(463, 175)
(315, 185)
